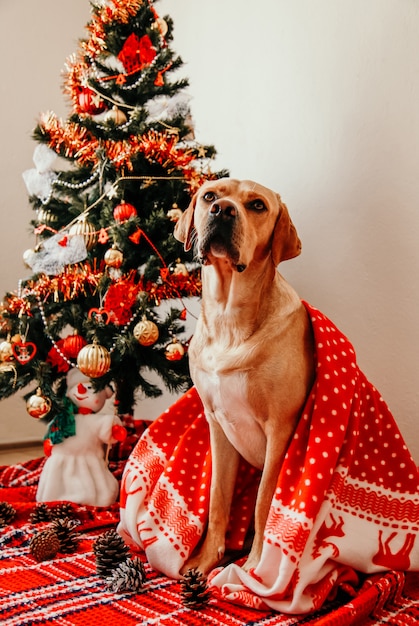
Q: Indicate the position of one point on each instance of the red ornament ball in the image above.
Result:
(72, 344)
(119, 432)
(174, 351)
(67, 348)
(89, 102)
(122, 212)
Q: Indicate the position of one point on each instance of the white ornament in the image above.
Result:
(57, 252)
(112, 63)
(77, 469)
(165, 107)
(39, 180)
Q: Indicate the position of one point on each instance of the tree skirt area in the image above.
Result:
(67, 589)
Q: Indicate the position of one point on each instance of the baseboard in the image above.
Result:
(27, 443)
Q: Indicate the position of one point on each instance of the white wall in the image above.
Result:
(36, 37)
(318, 100)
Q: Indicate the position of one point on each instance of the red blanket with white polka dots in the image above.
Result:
(346, 498)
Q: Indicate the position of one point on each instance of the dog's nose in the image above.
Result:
(223, 208)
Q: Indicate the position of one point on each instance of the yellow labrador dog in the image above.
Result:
(251, 356)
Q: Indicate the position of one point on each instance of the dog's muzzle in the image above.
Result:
(223, 209)
(221, 236)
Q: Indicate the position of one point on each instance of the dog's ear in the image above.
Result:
(185, 226)
(285, 242)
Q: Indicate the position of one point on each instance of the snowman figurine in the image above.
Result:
(76, 469)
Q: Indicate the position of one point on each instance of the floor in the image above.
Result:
(14, 455)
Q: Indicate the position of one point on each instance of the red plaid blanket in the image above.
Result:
(67, 590)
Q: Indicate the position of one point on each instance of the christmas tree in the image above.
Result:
(109, 183)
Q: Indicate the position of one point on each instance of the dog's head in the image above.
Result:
(240, 221)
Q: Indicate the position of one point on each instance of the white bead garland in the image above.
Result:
(123, 126)
(51, 338)
(111, 349)
(85, 183)
(134, 85)
(125, 329)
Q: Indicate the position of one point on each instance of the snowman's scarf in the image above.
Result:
(346, 497)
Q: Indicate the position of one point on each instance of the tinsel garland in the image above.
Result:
(75, 76)
(173, 287)
(83, 280)
(73, 141)
(74, 281)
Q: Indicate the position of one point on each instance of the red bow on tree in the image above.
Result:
(136, 53)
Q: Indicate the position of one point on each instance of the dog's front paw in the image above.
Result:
(252, 561)
(205, 560)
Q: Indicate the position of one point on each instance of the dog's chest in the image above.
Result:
(226, 401)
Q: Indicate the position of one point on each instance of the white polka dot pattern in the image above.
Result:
(346, 497)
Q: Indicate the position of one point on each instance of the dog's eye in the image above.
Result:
(209, 196)
(257, 205)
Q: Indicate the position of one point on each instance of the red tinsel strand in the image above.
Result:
(120, 298)
(76, 71)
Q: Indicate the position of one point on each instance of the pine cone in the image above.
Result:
(65, 531)
(127, 576)
(7, 513)
(62, 511)
(44, 545)
(42, 513)
(194, 589)
(109, 550)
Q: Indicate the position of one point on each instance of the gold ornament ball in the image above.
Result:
(38, 405)
(86, 230)
(94, 360)
(116, 115)
(47, 217)
(6, 351)
(113, 257)
(161, 25)
(174, 214)
(180, 269)
(146, 332)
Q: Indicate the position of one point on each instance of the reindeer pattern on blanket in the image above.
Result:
(346, 499)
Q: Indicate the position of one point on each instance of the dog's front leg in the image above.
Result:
(275, 452)
(224, 461)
